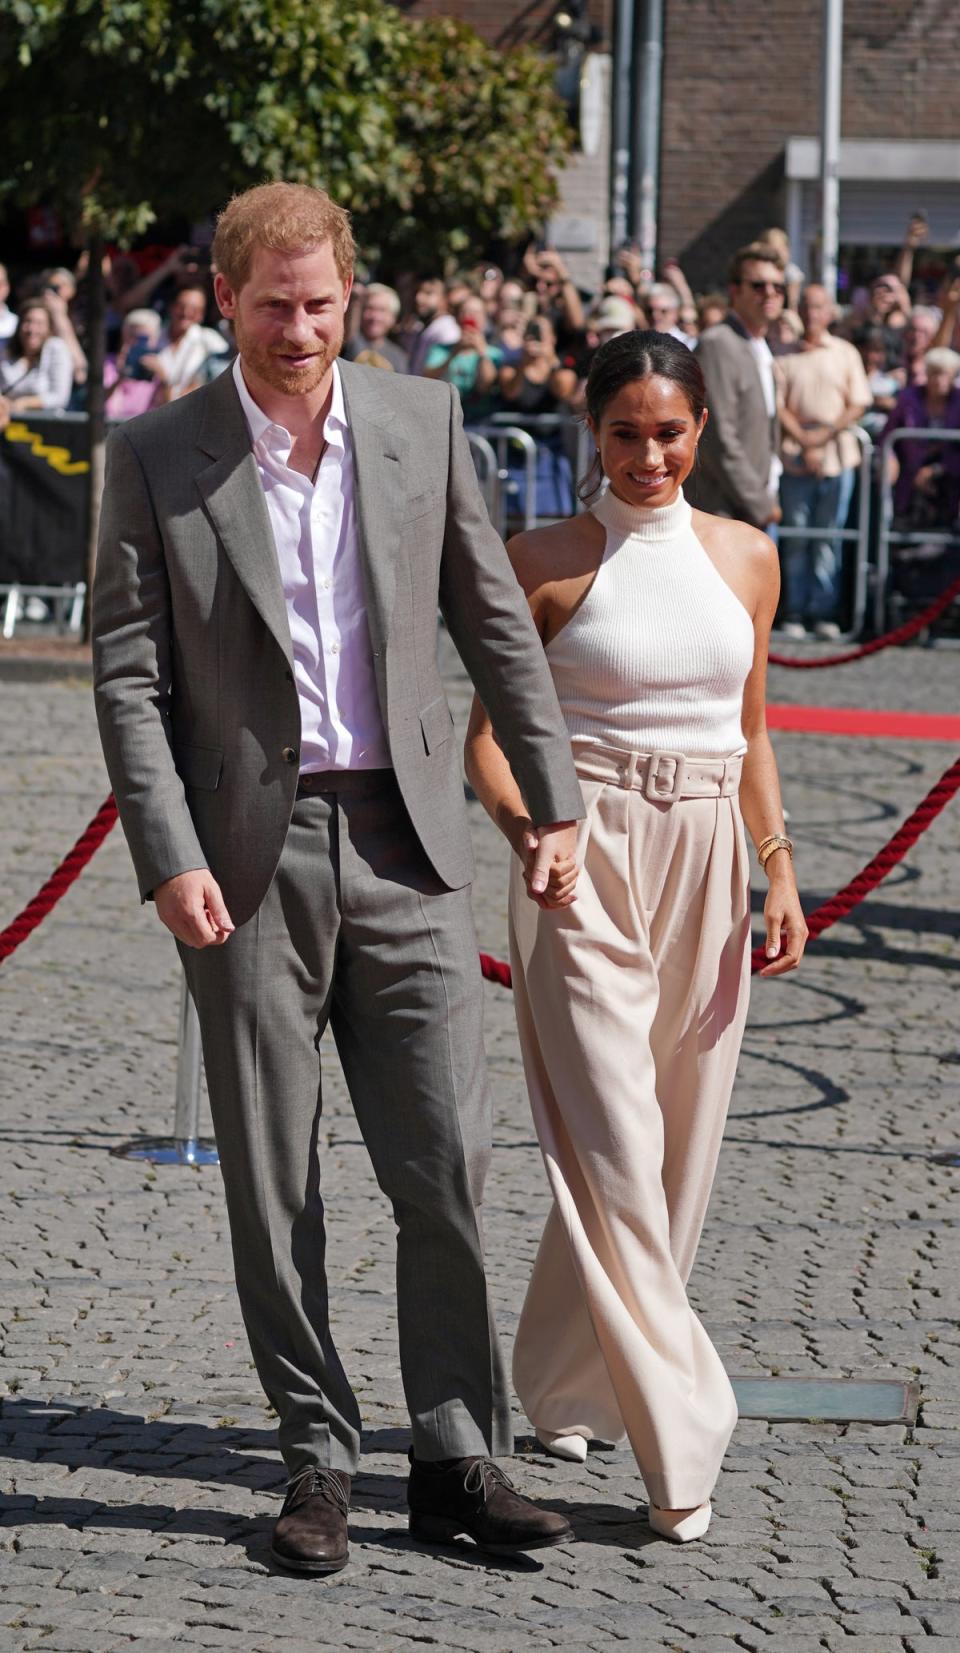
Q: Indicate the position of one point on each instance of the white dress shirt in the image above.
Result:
(763, 356)
(51, 378)
(315, 531)
(181, 362)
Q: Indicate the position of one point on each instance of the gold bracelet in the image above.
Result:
(770, 845)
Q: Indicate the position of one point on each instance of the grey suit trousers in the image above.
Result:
(358, 930)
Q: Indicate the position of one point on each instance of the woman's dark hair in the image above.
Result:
(625, 360)
(37, 303)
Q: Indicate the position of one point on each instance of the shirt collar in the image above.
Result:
(259, 423)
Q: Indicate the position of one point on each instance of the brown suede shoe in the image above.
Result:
(311, 1531)
(473, 1496)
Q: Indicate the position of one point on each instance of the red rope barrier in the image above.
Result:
(846, 899)
(497, 970)
(70, 868)
(890, 639)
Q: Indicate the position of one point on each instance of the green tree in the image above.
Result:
(117, 112)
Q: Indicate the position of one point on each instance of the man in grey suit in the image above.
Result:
(738, 465)
(273, 551)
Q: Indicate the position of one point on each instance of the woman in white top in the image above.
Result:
(631, 980)
(36, 371)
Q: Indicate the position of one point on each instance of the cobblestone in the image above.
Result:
(140, 1472)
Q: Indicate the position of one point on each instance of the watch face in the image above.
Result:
(591, 104)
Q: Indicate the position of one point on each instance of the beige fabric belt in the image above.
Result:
(663, 777)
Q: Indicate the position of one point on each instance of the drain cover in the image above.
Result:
(822, 1400)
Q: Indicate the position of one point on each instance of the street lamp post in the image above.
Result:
(621, 125)
(832, 80)
(647, 73)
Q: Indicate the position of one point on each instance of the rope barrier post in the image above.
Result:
(185, 1146)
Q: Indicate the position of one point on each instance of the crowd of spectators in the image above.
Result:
(790, 376)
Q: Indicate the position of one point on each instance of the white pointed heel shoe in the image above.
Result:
(680, 1527)
(571, 1447)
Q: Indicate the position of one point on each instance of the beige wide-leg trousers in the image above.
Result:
(630, 1006)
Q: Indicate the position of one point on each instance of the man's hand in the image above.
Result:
(550, 864)
(4, 413)
(776, 515)
(192, 907)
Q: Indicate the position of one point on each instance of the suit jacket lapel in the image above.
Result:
(234, 498)
(379, 451)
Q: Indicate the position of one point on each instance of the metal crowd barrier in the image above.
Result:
(889, 538)
(497, 439)
(66, 601)
(488, 472)
(528, 433)
(858, 536)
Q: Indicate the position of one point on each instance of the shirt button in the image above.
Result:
(334, 648)
(325, 585)
(290, 754)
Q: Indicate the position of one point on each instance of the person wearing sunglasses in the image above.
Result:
(739, 470)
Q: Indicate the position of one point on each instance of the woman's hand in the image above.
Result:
(562, 875)
(785, 923)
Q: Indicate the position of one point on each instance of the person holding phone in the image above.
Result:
(471, 364)
(128, 381)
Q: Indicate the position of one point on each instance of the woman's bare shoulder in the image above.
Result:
(554, 552)
(726, 535)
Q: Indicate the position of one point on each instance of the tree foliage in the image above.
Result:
(120, 111)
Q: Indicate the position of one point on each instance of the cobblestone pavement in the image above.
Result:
(141, 1477)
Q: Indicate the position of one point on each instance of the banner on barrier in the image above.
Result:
(44, 480)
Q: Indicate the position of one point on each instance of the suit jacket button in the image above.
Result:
(290, 754)
(289, 675)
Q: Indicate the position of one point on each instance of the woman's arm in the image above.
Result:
(63, 328)
(56, 375)
(760, 783)
(492, 778)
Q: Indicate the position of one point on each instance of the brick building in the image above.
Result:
(740, 114)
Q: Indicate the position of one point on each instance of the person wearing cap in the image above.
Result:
(611, 317)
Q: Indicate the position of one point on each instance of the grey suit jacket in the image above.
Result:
(731, 477)
(193, 668)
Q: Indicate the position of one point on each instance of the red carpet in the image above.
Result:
(849, 720)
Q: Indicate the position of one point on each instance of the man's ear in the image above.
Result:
(225, 296)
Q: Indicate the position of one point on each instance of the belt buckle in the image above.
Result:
(664, 778)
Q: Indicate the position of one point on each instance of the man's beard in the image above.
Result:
(277, 373)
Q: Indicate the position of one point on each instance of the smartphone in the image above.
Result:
(134, 362)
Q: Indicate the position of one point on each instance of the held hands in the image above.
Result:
(783, 916)
(191, 906)
(550, 868)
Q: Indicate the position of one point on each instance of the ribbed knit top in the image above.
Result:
(656, 656)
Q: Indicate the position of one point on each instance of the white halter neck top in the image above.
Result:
(656, 656)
